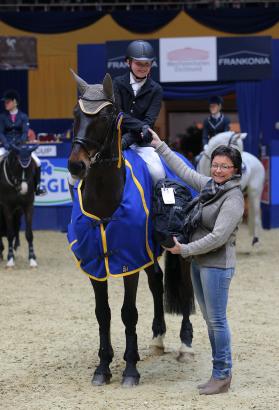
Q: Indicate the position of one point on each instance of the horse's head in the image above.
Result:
(95, 123)
(22, 153)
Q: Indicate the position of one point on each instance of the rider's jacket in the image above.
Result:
(140, 109)
(213, 126)
(13, 131)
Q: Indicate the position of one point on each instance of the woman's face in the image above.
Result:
(222, 169)
(10, 105)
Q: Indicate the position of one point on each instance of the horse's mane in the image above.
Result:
(223, 139)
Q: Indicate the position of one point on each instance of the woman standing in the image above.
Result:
(212, 222)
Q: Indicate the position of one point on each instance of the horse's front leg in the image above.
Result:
(155, 282)
(10, 236)
(102, 374)
(129, 316)
(1, 249)
(28, 213)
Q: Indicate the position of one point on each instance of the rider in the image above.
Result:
(14, 127)
(139, 98)
(216, 122)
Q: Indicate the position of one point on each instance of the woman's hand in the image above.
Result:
(176, 249)
(155, 139)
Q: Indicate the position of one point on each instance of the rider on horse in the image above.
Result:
(14, 126)
(139, 98)
(217, 122)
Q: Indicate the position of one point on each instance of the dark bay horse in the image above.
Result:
(96, 159)
(16, 198)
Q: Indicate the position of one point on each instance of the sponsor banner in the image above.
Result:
(188, 59)
(54, 180)
(46, 151)
(244, 58)
(116, 64)
(18, 53)
(266, 189)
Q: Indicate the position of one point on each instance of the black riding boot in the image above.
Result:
(37, 179)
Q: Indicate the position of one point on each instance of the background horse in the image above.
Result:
(253, 174)
(16, 197)
(97, 160)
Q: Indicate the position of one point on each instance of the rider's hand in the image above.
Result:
(176, 249)
(145, 134)
(155, 139)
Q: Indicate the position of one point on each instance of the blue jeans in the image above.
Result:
(211, 288)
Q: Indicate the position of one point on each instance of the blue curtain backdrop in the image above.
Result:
(249, 104)
(15, 80)
(229, 20)
(197, 92)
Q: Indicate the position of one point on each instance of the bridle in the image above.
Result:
(113, 126)
(11, 179)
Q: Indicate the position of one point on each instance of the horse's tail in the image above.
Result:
(179, 294)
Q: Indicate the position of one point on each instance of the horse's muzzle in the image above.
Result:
(77, 168)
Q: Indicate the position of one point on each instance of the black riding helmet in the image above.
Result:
(11, 95)
(140, 50)
(216, 100)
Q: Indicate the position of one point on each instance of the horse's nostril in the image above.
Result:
(76, 167)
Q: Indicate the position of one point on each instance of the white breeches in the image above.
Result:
(3, 153)
(152, 160)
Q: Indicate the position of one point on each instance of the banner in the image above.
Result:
(116, 54)
(187, 59)
(54, 180)
(18, 53)
(244, 58)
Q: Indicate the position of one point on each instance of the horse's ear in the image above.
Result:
(82, 85)
(108, 87)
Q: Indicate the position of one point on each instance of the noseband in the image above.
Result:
(114, 124)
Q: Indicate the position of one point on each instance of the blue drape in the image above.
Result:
(249, 103)
(229, 20)
(198, 92)
(239, 21)
(15, 80)
(143, 21)
(50, 22)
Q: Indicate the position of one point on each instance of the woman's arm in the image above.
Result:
(190, 176)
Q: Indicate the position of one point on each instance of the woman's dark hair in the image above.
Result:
(232, 153)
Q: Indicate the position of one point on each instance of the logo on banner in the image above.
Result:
(116, 63)
(244, 58)
(54, 180)
(188, 59)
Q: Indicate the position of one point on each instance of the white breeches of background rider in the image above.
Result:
(152, 160)
(4, 152)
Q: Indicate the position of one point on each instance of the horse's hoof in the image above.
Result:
(33, 263)
(184, 353)
(100, 379)
(10, 263)
(130, 381)
(255, 241)
(156, 345)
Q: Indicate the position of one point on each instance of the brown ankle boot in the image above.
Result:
(216, 386)
(203, 385)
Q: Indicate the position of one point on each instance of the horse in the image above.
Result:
(16, 198)
(97, 161)
(252, 179)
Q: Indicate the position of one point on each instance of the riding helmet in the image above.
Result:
(216, 100)
(11, 95)
(140, 50)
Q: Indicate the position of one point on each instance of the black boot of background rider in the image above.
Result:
(37, 179)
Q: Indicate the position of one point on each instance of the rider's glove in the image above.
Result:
(146, 134)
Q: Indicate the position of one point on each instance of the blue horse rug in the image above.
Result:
(124, 245)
